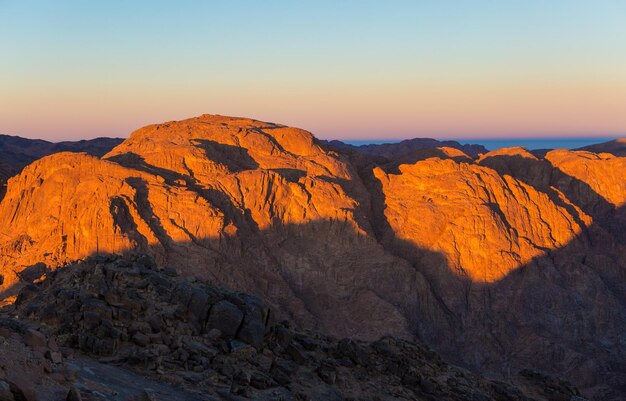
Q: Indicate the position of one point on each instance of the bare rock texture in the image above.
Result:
(176, 331)
(500, 260)
(522, 246)
(485, 224)
(258, 207)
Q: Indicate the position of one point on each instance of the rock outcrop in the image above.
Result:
(530, 255)
(500, 262)
(213, 344)
(258, 207)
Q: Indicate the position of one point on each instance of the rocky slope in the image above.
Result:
(208, 343)
(616, 147)
(500, 262)
(530, 257)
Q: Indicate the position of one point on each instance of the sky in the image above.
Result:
(340, 69)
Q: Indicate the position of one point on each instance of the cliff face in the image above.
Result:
(530, 255)
(258, 207)
(484, 223)
(501, 262)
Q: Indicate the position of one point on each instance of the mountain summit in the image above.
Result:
(499, 260)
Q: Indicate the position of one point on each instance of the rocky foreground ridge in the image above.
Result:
(501, 261)
(191, 340)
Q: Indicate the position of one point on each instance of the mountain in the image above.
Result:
(409, 150)
(500, 261)
(615, 147)
(16, 152)
(19, 152)
(398, 150)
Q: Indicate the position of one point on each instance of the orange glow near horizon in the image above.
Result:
(457, 110)
(342, 70)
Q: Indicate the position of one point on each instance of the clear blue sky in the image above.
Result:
(343, 69)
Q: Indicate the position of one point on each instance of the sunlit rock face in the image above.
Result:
(255, 206)
(69, 206)
(485, 224)
(500, 260)
(273, 172)
(602, 173)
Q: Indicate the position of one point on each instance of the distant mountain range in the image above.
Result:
(615, 147)
(17, 152)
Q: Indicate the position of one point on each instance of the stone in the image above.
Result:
(54, 356)
(280, 372)
(52, 344)
(309, 366)
(156, 323)
(225, 317)
(141, 339)
(252, 332)
(34, 338)
(198, 305)
(214, 334)
(146, 262)
(242, 350)
(5, 392)
(327, 373)
(297, 354)
(74, 395)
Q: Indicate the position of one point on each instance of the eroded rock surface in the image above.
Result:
(210, 343)
(500, 262)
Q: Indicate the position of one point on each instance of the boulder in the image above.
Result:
(225, 317)
(34, 338)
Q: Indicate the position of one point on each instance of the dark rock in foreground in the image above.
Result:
(188, 339)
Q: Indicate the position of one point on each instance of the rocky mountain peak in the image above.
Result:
(500, 262)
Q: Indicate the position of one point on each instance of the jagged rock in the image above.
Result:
(74, 395)
(296, 354)
(296, 364)
(522, 254)
(54, 356)
(252, 331)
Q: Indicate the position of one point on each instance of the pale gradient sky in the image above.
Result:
(341, 69)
